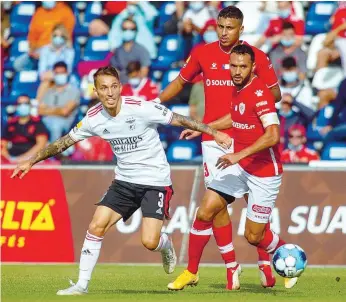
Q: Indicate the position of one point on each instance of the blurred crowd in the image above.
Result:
(50, 51)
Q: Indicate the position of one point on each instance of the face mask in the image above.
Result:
(293, 147)
(129, 35)
(287, 42)
(132, 9)
(23, 110)
(196, 6)
(60, 79)
(290, 76)
(285, 13)
(58, 41)
(210, 36)
(286, 114)
(134, 82)
(48, 4)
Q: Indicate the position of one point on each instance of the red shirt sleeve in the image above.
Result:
(268, 32)
(299, 27)
(264, 69)
(285, 156)
(265, 107)
(191, 67)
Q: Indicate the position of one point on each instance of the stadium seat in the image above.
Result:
(171, 50)
(181, 150)
(321, 120)
(334, 151)
(168, 77)
(318, 16)
(181, 109)
(315, 46)
(18, 47)
(20, 18)
(97, 48)
(5, 88)
(24, 82)
(165, 13)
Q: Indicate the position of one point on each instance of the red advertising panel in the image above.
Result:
(35, 220)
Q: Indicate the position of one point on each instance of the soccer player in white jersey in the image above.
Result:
(142, 178)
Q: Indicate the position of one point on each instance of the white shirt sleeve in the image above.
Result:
(81, 131)
(157, 113)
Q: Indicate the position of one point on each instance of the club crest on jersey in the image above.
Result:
(259, 93)
(213, 66)
(130, 120)
(242, 108)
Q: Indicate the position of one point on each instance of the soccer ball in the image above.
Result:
(289, 260)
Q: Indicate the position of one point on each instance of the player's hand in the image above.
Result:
(228, 160)
(223, 140)
(22, 169)
(189, 134)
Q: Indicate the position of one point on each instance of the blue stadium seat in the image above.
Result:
(97, 48)
(334, 151)
(321, 120)
(93, 11)
(18, 47)
(181, 150)
(171, 50)
(5, 88)
(20, 18)
(319, 13)
(168, 77)
(24, 82)
(165, 13)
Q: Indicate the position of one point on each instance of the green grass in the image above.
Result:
(148, 283)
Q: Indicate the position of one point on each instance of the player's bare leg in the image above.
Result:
(261, 236)
(202, 228)
(153, 240)
(103, 219)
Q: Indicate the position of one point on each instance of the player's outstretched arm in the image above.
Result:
(183, 121)
(52, 149)
(172, 90)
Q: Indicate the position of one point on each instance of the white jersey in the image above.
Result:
(133, 137)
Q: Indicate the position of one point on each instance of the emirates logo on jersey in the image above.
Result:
(259, 93)
(241, 108)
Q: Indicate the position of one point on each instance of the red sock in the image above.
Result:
(271, 242)
(223, 237)
(199, 236)
(263, 256)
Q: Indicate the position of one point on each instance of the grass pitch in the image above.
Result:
(148, 283)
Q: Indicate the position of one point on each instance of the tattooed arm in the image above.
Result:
(52, 149)
(183, 121)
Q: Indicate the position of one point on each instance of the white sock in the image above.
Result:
(89, 255)
(164, 243)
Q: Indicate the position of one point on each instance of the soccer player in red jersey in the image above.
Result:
(213, 61)
(255, 166)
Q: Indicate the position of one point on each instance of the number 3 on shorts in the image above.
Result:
(206, 171)
(161, 199)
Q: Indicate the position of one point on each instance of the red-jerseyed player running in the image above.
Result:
(255, 165)
(213, 61)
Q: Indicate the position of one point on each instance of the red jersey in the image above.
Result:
(276, 24)
(213, 62)
(146, 90)
(339, 19)
(303, 155)
(253, 109)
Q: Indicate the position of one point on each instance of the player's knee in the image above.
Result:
(97, 229)
(253, 239)
(205, 215)
(150, 243)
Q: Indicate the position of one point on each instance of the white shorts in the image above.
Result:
(211, 152)
(235, 181)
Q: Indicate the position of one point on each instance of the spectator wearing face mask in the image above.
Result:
(273, 33)
(59, 104)
(42, 24)
(290, 113)
(142, 13)
(59, 50)
(137, 85)
(130, 51)
(292, 83)
(288, 48)
(296, 151)
(24, 135)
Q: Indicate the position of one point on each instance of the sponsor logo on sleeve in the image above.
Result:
(262, 103)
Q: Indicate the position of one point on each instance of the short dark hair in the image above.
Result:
(287, 25)
(244, 49)
(133, 66)
(108, 70)
(289, 62)
(60, 64)
(231, 12)
(131, 20)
